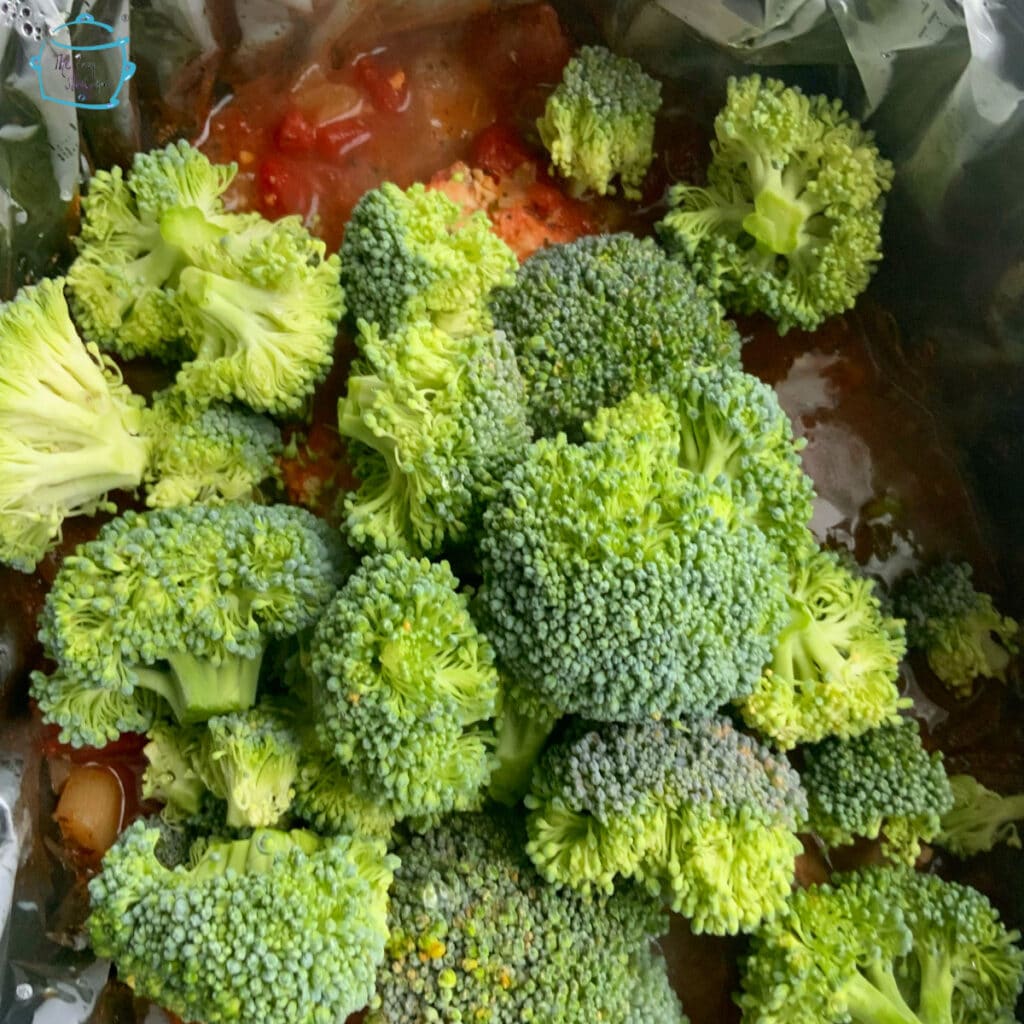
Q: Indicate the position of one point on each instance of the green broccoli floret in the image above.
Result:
(600, 317)
(618, 585)
(599, 122)
(883, 946)
(476, 935)
(979, 818)
(406, 687)
(172, 774)
(834, 668)
(220, 453)
(326, 798)
(958, 628)
(436, 421)
(122, 283)
(181, 602)
(284, 926)
(412, 255)
(703, 815)
(789, 222)
(882, 782)
(70, 431)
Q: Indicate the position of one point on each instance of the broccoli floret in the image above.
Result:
(599, 122)
(436, 421)
(261, 302)
(789, 222)
(406, 687)
(703, 815)
(618, 585)
(183, 602)
(834, 668)
(284, 926)
(70, 431)
(220, 453)
(172, 773)
(979, 818)
(122, 282)
(883, 946)
(476, 935)
(412, 255)
(958, 628)
(605, 315)
(326, 798)
(880, 783)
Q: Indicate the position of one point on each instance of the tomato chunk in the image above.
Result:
(499, 150)
(336, 139)
(384, 83)
(294, 134)
(284, 187)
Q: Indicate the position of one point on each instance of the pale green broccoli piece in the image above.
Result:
(326, 798)
(979, 818)
(521, 729)
(172, 774)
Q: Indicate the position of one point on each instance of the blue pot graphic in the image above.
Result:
(88, 77)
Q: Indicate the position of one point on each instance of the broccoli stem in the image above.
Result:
(805, 649)
(868, 1005)
(935, 1003)
(521, 736)
(198, 689)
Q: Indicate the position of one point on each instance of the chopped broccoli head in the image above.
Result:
(834, 668)
(70, 431)
(600, 317)
(789, 222)
(183, 602)
(172, 775)
(413, 254)
(284, 926)
(958, 628)
(703, 815)
(406, 687)
(979, 818)
(326, 798)
(599, 122)
(436, 422)
(883, 946)
(618, 585)
(122, 282)
(476, 935)
(882, 782)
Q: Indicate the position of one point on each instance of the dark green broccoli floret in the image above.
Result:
(979, 818)
(789, 222)
(599, 122)
(181, 602)
(958, 628)
(701, 814)
(220, 453)
(476, 935)
(406, 687)
(436, 421)
(880, 783)
(413, 255)
(618, 585)
(284, 926)
(70, 431)
(600, 317)
(883, 946)
(834, 668)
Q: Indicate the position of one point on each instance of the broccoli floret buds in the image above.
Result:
(599, 122)
(979, 818)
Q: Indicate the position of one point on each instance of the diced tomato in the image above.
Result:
(499, 150)
(294, 134)
(385, 84)
(283, 187)
(336, 139)
(525, 43)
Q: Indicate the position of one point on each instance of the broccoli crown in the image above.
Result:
(261, 302)
(406, 686)
(477, 935)
(618, 585)
(326, 798)
(883, 946)
(600, 317)
(413, 254)
(284, 926)
(70, 431)
(436, 420)
(703, 815)
(979, 818)
(732, 427)
(958, 628)
(220, 453)
(172, 774)
(122, 282)
(599, 122)
(183, 601)
(789, 222)
(882, 781)
(834, 668)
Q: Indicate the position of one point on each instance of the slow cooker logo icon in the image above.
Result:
(89, 76)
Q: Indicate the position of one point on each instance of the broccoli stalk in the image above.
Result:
(979, 818)
(522, 729)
